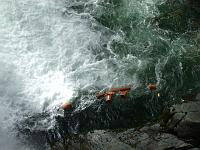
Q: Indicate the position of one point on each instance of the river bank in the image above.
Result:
(178, 128)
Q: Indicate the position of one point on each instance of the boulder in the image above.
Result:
(185, 121)
(146, 138)
(151, 138)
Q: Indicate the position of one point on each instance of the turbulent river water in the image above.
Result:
(57, 50)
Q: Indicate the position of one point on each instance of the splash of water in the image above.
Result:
(50, 50)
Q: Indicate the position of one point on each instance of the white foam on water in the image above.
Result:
(40, 49)
(46, 56)
(45, 47)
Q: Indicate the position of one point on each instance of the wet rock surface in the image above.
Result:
(180, 132)
(186, 121)
(149, 138)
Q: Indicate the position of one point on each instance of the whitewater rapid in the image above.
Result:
(46, 56)
(50, 50)
(40, 49)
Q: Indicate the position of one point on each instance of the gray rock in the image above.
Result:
(192, 106)
(186, 120)
(197, 97)
(189, 126)
(150, 138)
(147, 138)
(175, 120)
(101, 140)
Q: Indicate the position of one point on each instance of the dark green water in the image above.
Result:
(148, 42)
(151, 42)
(69, 50)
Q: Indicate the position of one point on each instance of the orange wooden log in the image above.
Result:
(114, 89)
(125, 89)
(67, 106)
(123, 93)
(120, 89)
(152, 87)
(109, 96)
(100, 95)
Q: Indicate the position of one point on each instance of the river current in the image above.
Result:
(57, 50)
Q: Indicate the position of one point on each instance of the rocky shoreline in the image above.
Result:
(177, 129)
